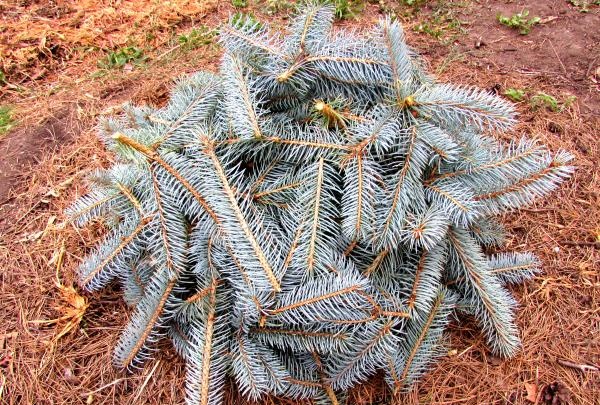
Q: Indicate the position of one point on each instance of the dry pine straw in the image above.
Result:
(43, 38)
(559, 313)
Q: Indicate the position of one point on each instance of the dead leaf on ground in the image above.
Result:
(532, 392)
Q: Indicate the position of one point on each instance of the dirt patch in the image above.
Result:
(23, 148)
(563, 50)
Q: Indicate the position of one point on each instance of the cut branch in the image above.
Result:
(315, 299)
(315, 222)
(155, 157)
(150, 325)
(242, 220)
(126, 241)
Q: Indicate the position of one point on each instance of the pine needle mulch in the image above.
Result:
(55, 344)
(40, 39)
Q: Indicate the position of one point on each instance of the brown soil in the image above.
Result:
(563, 52)
(25, 147)
(58, 99)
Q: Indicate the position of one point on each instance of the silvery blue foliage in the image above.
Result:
(314, 213)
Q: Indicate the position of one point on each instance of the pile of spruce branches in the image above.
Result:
(312, 214)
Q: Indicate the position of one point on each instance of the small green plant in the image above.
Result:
(429, 29)
(197, 37)
(239, 3)
(6, 119)
(443, 22)
(2, 78)
(412, 2)
(569, 101)
(443, 28)
(543, 100)
(519, 21)
(515, 94)
(345, 9)
(277, 6)
(540, 100)
(584, 5)
(122, 56)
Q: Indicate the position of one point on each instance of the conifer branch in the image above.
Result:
(375, 264)
(422, 344)
(206, 355)
(93, 204)
(496, 320)
(313, 300)
(155, 157)
(315, 220)
(90, 275)
(293, 246)
(242, 220)
(275, 190)
(406, 190)
(324, 383)
(163, 227)
(197, 107)
(129, 195)
(151, 324)
(252, 41)
(292, 142)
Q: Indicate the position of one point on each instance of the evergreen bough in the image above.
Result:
(314, 213)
